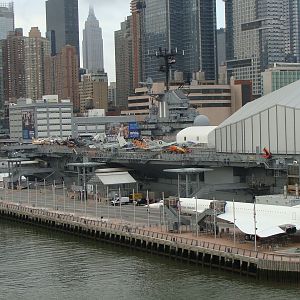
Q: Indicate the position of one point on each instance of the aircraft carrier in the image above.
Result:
(202, 172)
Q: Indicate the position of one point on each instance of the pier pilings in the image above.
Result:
(255, 264)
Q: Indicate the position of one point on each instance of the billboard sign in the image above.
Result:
(127, 130)
(28, 124)
(134, 132)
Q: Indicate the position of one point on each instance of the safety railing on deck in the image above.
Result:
(174, 239)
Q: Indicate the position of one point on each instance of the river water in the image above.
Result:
(39, 264)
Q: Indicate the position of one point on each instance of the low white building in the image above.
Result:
(194, 134)
(44, 118)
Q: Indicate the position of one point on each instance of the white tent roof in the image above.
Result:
(288, 96)
(2, 175)
(115, 178)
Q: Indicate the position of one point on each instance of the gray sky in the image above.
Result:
(110, 13)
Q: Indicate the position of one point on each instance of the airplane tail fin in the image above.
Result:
(122, 142)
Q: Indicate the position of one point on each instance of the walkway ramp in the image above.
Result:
(172, 217)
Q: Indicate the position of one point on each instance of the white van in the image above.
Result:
(124, 200)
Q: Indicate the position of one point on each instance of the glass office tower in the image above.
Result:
(260, 33)
(62, 24)
(185, 26)
(6, 19)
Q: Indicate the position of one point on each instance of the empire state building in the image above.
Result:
(92, 44)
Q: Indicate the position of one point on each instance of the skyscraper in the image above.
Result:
(37, 49)
(123, 57)
(258, 34)
(188, 27)
(92, 44)
(137, 7)
(93, 90)
(1, 77)
(62, 75)
(6, 25)
(62, 24)
(7, 22)
(13, 53)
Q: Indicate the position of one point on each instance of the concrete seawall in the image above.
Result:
(261, 265)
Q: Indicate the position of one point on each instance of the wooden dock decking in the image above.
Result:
(242, 260)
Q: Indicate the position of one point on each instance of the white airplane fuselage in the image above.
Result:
(269, 219)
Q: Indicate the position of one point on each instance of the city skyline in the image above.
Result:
(32, 14)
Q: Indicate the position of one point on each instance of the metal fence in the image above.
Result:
(126, 229)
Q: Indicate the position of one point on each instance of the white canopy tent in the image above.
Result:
(115, 178)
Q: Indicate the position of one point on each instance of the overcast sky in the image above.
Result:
(110, 13)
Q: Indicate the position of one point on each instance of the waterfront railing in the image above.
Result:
(173, 239)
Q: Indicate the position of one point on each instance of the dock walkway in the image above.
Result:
(201, 251)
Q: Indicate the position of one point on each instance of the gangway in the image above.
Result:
(173, 218)
(216, 207)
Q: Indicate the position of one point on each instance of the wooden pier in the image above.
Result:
(257, 264)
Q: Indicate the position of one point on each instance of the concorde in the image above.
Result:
(270, 219)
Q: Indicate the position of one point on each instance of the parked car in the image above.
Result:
(140, 202)
(116, 201)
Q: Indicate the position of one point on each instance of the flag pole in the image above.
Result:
(64, 194)
(133, 199)
(28, 192)
(96, 201)
(197, 227)
(107, 191)
(164, 220)
(36, 193)
(215, 229)
(254, 216)
(234, 226)
(148, 209)
(120, 203)
(178, 203)
(45, 193)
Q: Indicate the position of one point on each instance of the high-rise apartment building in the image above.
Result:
(93, 91)
(186, 27)
(62, 75)
(37, 49)
(13, 54)
(137, 7)
(123, 58)
(112, 94)
(221, 46)
(7, 21)
(62, 24)
(258, 34)
(1, 77)
(92, 44)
